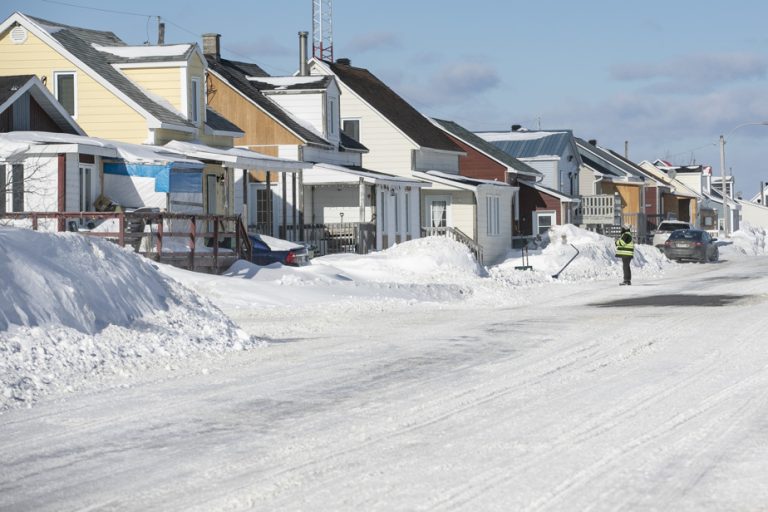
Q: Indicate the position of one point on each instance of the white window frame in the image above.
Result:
(543, 213)
(194, 100)
(331, 115)
(493, 215)
(73, 74)
(90, 172)
(433, 199)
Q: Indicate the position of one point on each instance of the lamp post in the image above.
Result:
(726, 207)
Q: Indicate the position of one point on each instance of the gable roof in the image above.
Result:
(78, 42)
(234, 73)
(394, 108)
(13, 87)
(605, 162)
(531, 144)
(486, 148)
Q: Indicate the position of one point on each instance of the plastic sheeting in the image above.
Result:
(167, 178)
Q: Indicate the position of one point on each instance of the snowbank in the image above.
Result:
(75, 309)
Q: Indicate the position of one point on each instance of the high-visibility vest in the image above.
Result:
(625, 246)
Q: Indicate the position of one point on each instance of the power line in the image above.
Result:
(148, 16)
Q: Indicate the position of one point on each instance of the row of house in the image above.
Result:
(328, 154)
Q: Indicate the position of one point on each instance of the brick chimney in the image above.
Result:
(212, 45)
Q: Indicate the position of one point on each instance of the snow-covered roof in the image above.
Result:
(239, 157)
(332, 174)
(516, 135)
(145, 51)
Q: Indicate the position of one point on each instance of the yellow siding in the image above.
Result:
(164, 82)
(99, 112)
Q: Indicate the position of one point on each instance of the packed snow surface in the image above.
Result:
(408, 379)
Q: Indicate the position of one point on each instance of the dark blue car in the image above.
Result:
(268, 250)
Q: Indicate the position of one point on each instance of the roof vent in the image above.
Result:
(593, 142)
(516, 127)
(18, 34)
(344, 62)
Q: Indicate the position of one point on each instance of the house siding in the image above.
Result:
(164, 82)
(548, 168)
(309, 107)
(99, 111)
(262, 132)
(495, 247)
(532, 200)
(477, 165)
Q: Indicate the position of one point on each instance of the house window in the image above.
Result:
(543, 221)
(86, 189)
(65, 90)
(351, 128)
(258, 208)
(492, 211)
(17, 188)
(331, 116)
(407, 212)
(194, 100)
(437, 209)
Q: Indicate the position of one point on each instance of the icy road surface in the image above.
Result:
(584, 396)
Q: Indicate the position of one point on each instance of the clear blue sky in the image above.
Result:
(668, 76)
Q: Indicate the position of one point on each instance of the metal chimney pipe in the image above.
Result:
(161, 33)
(303, 68)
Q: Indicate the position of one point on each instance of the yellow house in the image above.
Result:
(148, 94)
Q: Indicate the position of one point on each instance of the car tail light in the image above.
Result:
(698, 244)
(667, 244)
(290, 258)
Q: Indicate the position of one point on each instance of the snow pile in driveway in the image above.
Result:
(74, 310)
(596, 259)
(424, 260)
(747, 241)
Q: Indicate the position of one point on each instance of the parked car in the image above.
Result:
(691, 244)
(268, 250)
(665, 228)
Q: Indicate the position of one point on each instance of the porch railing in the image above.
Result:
(196, 242)
(334, 238)
(458, 235)
(599, 209)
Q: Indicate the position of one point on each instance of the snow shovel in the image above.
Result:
(555, 276)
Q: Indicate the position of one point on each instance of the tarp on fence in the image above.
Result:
(168, 178)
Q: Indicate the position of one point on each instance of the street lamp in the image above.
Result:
(726, 210)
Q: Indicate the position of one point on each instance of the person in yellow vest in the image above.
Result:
(625, 249)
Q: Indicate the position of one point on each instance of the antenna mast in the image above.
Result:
(322, 30)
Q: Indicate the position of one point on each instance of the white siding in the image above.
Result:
(40, 185)
(306, 106)
(754, 214)
(548, 168)
(495, 247)
(315, 154)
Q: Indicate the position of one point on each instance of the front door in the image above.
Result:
(86, 188)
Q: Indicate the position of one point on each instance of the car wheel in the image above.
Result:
(715, 256)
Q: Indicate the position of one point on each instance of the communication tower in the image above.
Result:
(322, 30)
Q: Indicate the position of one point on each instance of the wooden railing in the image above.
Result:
(334, 238)
(195, 242)
(458, 235)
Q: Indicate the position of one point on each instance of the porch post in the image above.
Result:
(284, 233)
(62, 188)
(294, 205)
(246, 175)
(361, 205)
(269, 209)
(301, 204)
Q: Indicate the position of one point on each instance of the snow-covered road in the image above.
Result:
(576, 397)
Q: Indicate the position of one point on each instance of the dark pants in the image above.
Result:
(625, 261)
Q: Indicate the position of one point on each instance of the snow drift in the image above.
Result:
(74, 309)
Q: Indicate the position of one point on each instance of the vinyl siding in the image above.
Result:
(164, 82)
(309, 107)
(99, 111)
(496, 247)
(262, 132)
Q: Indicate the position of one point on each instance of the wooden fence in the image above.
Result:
(208, 243)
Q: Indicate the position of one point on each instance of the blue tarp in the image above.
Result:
(168, 177)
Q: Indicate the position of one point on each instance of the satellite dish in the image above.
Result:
(672, 173)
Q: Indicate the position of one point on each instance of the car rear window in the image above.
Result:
(686, 234)
(671, 226)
